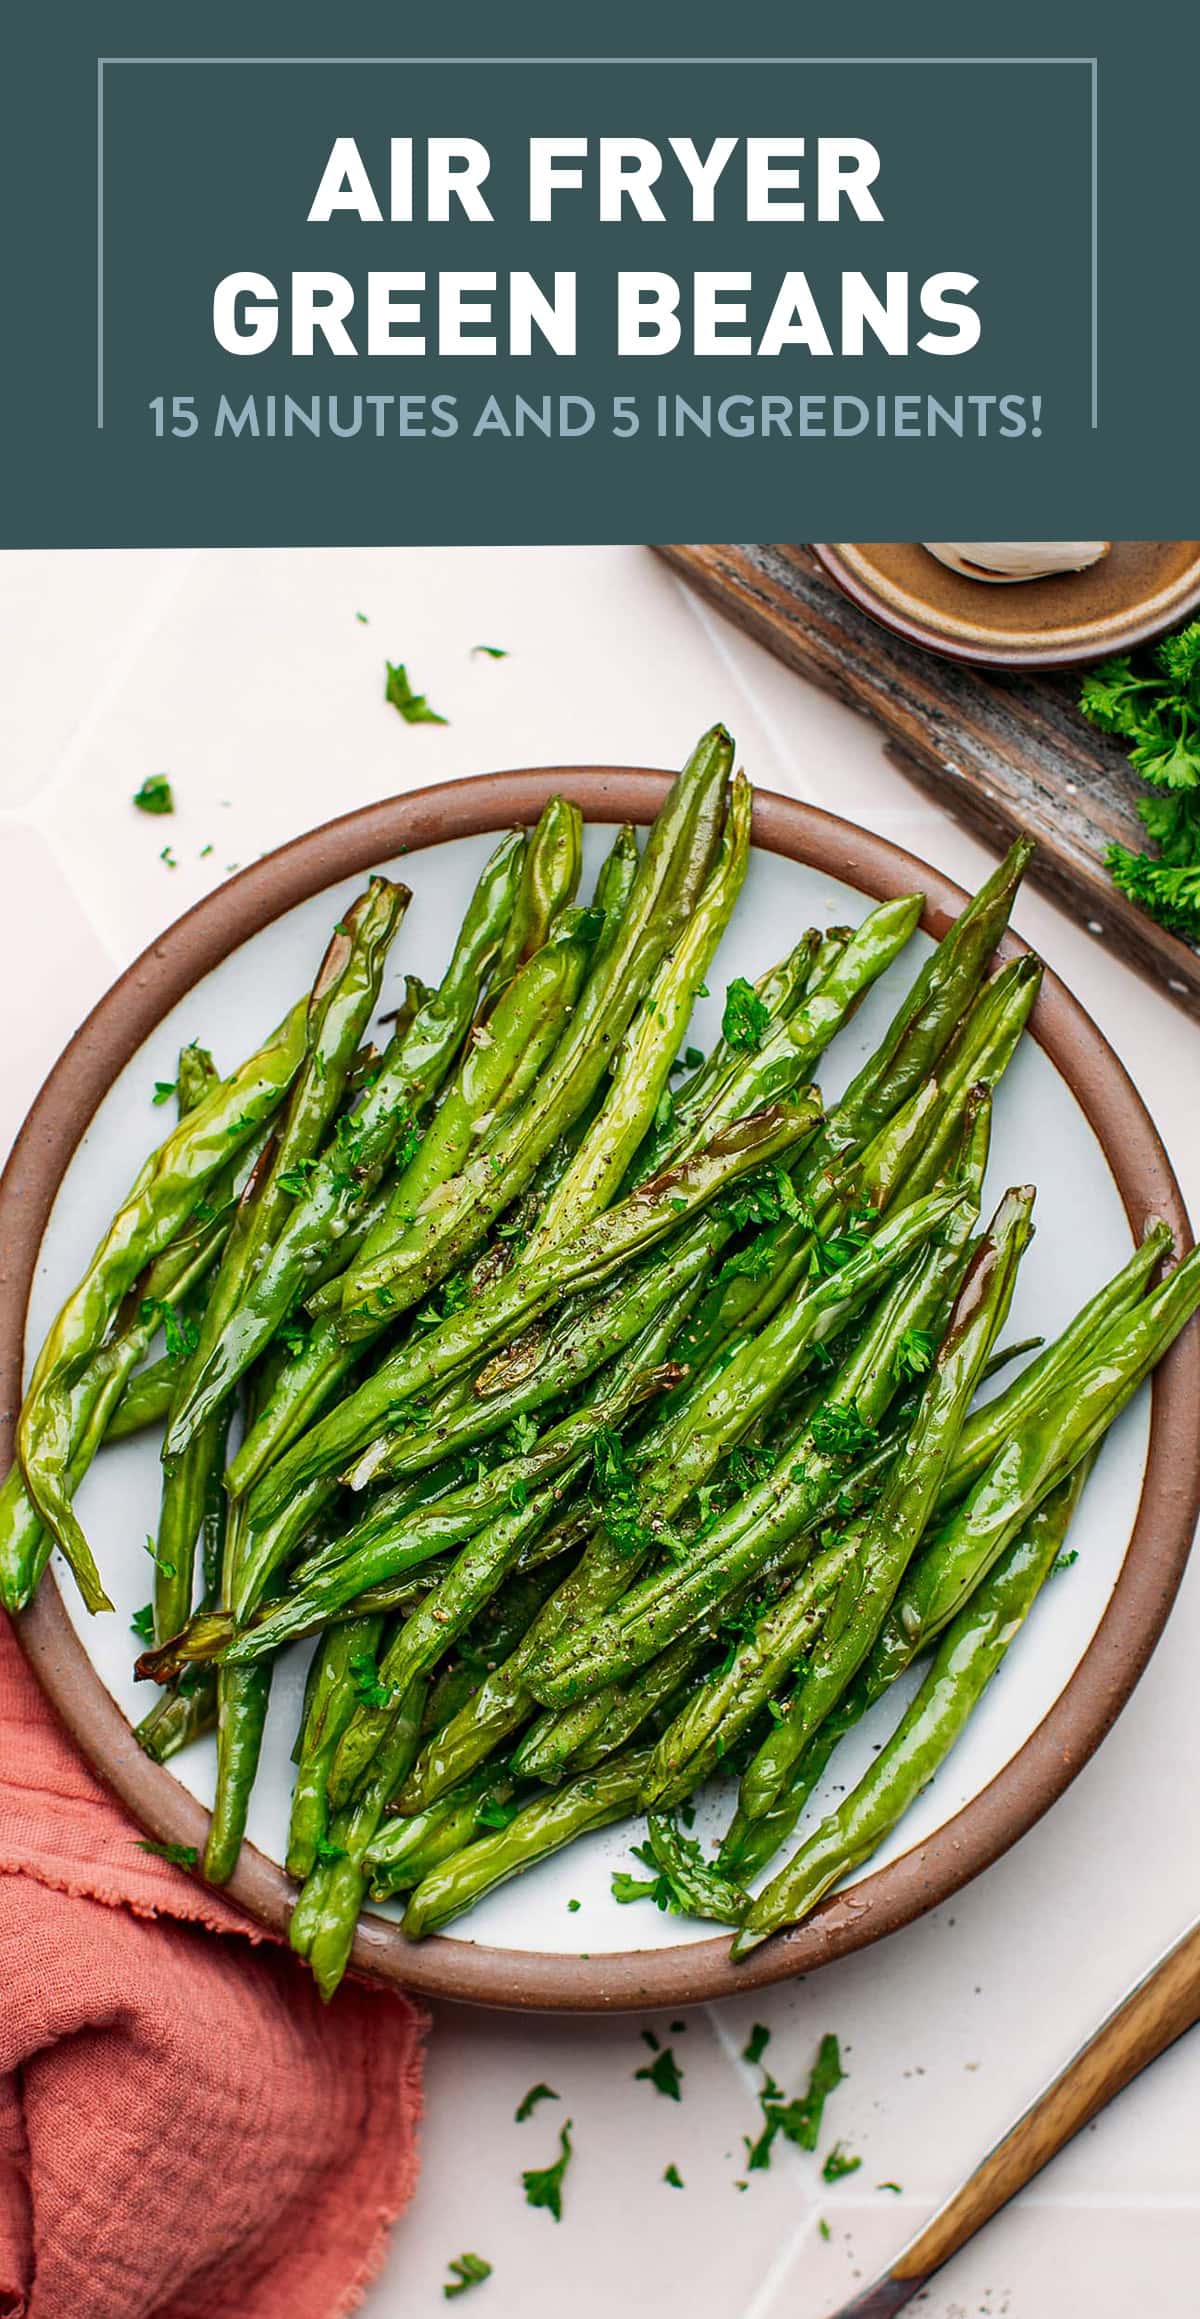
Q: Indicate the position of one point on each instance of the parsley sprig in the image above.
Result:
(1154, 704)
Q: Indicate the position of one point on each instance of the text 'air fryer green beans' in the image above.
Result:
(598, 1413)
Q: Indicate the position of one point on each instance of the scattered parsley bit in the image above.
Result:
(362, 619)
(896, 2186)
(491, 651)
(745, 1017)
(491, 1812)
(823, 2227)
(838, 2163)
(536, 2094)
(168, 857)
(155, 795)
(204, 852)
(1064, 1561)
(543, 2184)
(142, 1622)
(522, 1433)
(294, 1180)
(838, 1430)
(181, 1334)
(664, 2074)
(293, 1336)
(618, 1503)
(757, 2043)
(573, 1905)
(693, 1057)
(1155, 705)
(467, 2270)
(914, 1353)
(677, 1202)
(672, 2175)
(164, 1089)
(799, 2120)
(413, 706)
(365, 1681)
(179, 1855)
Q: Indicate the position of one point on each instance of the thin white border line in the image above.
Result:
(1092, 62)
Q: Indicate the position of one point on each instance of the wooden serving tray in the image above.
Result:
(1001, 750)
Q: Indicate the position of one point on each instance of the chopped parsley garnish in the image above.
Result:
(168, 857)
(618, 1504)
(293, 1336)
(672, 2175)
(693, 1057)
(896, 2186)
(361, 617)
(1064, 1561)
(838, 1430)
(914, 1353)
(757, 2042)
(329, 1853)
(543, 2185)
(466, 2270)
(522, 1434)
(164, 1089)
(294, 1180)
(745, 1018)
(491, 1812)
(536, 2094)
(799, 2121)
(490, 651)
(155, 795)
(838, 2163)
(181, 1334)
(664, 2074)
(413, 706)
(179, 1855)
(573, 1905)
(142, 1622)
(823, 2227)
(365, 1681)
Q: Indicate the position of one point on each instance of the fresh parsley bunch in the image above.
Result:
(1155, 705)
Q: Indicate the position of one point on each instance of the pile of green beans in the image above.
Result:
(603, 1415)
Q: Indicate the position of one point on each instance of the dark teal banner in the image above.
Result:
(272, 294)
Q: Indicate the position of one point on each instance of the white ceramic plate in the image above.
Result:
(1041, 1134)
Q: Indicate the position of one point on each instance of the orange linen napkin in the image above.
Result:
(186, 2132)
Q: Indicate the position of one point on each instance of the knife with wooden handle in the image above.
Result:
(1157, 2010)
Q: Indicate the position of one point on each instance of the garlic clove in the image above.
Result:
(1003, 561)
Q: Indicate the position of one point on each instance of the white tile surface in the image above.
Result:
(248, 679)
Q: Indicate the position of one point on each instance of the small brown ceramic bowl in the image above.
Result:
(1141, 587)
(1094, 1689)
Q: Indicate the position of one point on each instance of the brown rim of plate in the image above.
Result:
(908, 614)
(1093, 1696)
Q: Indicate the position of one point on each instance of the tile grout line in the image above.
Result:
(177, 567)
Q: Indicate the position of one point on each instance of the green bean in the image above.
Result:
(597, 1252)
(779, 990)
(344, 1659)
(505, 1059)
(639, 1627)
(539, 1367)
(967, 1658)
(404, 1851)
(548, 885)
(345, 1176)
(788, 1053)
(484, 1561)
(169, 1189)
(325, 1916)
(890, 1537)
(146, 1399)
(986, 1430)
(642, 1065)
(543, 1827)
(187, 1711)
(664, 893)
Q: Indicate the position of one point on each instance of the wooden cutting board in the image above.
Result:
(1001, 750)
